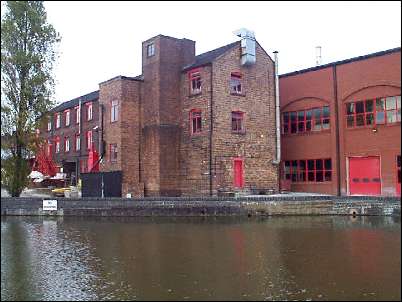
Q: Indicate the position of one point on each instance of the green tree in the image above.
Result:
(28, 54)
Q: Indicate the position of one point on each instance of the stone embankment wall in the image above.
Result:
(174, 206)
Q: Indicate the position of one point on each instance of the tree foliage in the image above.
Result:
(28, 54)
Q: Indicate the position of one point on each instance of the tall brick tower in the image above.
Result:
(162, 61)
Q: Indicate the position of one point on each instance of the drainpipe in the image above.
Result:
(210, 132)
(277, 112)
(338, 157)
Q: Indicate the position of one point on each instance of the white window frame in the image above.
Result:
(114, 111)
(67, 117)
(77, 115)
(150, 50)
(67, 144)
(58, 146)
(77, 142)
(58, 120)
(89, 111)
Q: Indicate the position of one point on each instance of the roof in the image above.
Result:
(207, 57)
(372, 55)
(120, 77)
(74, 102)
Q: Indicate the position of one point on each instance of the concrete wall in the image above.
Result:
(171, 206)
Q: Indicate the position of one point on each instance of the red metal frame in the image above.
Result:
(192, 117)
(238, 116)
(374, 112)
(238, 176)
(305, 120)
(305, 172)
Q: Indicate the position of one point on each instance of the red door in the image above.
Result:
(238, 173)
(364, 176)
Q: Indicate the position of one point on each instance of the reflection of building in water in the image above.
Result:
(344, 258)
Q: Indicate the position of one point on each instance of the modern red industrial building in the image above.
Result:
(341, 126)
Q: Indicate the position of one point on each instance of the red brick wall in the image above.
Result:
(358, 80)
(70, 131)
(256, 146)
(161, 113)
(374, 77)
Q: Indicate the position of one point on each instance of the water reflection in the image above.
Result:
(280, 258)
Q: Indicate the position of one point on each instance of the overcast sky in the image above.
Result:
(101, 40)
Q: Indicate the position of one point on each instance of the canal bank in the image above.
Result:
(202, 206)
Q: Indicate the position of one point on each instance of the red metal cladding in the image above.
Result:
(364, 175)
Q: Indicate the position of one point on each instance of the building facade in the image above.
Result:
(192, 125)
(341, 126)
(69, 131)
(205, 125)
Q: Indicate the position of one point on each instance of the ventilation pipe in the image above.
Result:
(277, 112)
(247, 46)
(318, 58)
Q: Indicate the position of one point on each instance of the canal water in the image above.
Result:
(275, 258)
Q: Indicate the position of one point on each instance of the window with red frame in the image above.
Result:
(314, 119)
(89, 111)
(49, 147)
(77, 142)
(196, 121)
(89, 139)
(67, 117)
(195, 81)
(114, 111)
(310, 170)
(58, 120)
(235, 83)
(57, 144)
(385, 110)
(77, 114)
(49, 125)
(238, 121)
(66, 144)
(113, 152)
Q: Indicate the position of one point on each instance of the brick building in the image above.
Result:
(341, 126)
(69, 130)
(205, 124)
(189, 125)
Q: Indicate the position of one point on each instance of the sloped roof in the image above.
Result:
(359, 58)
(207, 57)
(74, 102)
